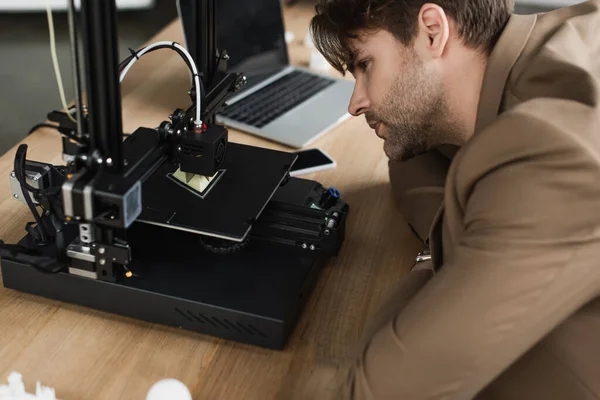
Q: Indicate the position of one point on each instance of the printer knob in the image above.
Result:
(329, 198)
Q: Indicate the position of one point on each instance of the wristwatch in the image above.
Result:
(423, 256)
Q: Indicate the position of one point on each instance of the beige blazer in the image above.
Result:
(512, 311)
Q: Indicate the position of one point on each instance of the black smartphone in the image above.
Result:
(311, 160)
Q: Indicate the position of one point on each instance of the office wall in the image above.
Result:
(29, 89)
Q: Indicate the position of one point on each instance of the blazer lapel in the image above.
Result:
(504, 56)
(435, 239)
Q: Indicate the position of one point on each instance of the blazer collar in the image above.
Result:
(509, 47)
(511, 43)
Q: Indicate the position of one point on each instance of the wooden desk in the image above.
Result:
(87, 354)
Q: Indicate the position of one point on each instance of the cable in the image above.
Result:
(189, 61)
(61, 89)
(184, 54)
(72, 137)
(38, 126)
(134, 54)
(19, 168)
(32, 257)
(222, 246)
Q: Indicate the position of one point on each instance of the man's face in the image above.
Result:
(401, 97)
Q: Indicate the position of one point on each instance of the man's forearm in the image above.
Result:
(467, 324)
(395, 303)
(400, 296)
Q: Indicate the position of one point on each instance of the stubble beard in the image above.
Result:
(414, 115)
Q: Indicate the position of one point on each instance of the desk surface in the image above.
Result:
(87, 354)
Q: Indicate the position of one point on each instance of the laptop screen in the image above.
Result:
(251, 31)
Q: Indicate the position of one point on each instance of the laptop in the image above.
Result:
(280, 102)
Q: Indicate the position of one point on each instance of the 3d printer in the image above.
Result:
(174, 224)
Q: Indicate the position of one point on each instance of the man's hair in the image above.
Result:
(479, 23)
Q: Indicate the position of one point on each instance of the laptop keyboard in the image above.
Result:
(275, 99)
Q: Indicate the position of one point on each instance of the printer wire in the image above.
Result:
(126, 65)
(61, 89)
(39, 231)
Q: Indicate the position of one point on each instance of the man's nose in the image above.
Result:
(359, 102)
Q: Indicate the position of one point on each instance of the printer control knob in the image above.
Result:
(329, 198)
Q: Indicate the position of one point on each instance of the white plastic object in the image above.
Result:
(15, 390)
(317, 61)
(168, 389)
(165, 389)
(197, 182)
(289, 37)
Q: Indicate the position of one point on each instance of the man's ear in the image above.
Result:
(434, 27)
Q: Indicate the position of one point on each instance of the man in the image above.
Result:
(509, 306)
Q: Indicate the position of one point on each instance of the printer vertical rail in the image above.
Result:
(103, 90)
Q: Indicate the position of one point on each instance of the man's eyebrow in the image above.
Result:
(356, 54)
(353, 54)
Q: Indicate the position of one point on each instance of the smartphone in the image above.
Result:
(311, 160)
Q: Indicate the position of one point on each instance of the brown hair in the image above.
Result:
(478, 22)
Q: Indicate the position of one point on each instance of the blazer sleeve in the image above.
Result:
(526, 194)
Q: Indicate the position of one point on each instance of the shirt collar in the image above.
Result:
(504, 56)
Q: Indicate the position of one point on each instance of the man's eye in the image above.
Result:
(363, 65)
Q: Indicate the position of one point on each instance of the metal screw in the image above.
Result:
(16, 196)
(101, 250)
(327, 231)
(179, 149)
(125, 163)
(304, 246)
(34, 178)
(178, 132)
(240, 82)
(99, 160)
(185, 128)
(192, 119)
(312, 246)
(12, 174)
(109, 161)
(102, 261)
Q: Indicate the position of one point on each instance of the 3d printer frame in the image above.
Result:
(103, 193)
(91, 205)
